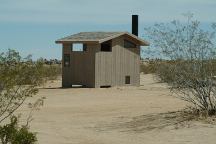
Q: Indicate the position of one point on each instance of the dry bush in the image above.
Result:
(164, 68)
(51, 72)
(148, 67)
(191, 68)
(48, 70)
(19, 79)
(164, 71)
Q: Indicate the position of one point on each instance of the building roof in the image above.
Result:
(99, 37)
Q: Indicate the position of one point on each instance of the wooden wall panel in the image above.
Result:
(112, 67)
(66, 71)
(94, 68)
(82, 67)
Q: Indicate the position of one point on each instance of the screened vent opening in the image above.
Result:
(129, 44)
(127, 79)
(78, 47)
(106, 46)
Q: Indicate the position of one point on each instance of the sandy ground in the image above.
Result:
(124, 115)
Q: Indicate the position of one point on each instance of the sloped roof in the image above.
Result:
(99, 37)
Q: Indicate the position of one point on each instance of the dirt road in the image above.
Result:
(114, 116)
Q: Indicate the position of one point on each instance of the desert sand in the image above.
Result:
(118, 115)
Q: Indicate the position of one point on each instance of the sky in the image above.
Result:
(32, 26)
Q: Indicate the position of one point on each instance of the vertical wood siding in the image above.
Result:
(82, 67)
(113, 67)
(95, 68)
(66, 71)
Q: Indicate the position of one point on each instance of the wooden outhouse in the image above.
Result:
(101, 59)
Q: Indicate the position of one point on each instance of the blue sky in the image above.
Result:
(32, 26)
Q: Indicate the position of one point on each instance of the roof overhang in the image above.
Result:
(140, 41)
(75, 41)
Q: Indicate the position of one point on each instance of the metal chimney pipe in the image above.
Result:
(135, 25)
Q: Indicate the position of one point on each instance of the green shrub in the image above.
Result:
(13, 134)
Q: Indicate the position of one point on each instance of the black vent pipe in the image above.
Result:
(135, 25)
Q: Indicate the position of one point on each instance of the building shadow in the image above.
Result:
(72, 87)
(159, 121)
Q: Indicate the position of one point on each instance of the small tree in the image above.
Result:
(19, 79)
(191, 65)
